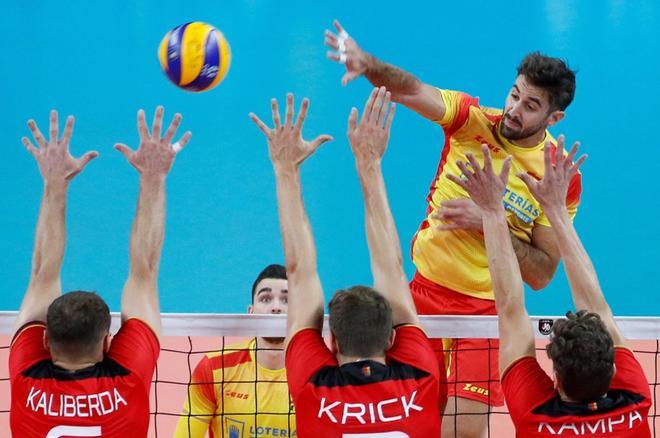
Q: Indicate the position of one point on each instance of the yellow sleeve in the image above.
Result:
(201, 403)
(457, 110)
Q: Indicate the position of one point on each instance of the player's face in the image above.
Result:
(271, 296)
(527, 111)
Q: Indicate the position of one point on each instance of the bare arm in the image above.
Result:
(369, 140)
(287, 151)
(551, 193)
(539, 259)
(404, 87)
(486, 188)
(57, 168)
(153, 161)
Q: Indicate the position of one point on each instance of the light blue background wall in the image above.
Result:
(97, 60)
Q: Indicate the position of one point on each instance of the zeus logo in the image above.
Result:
(372, 412)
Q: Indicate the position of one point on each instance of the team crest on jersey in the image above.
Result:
(366, 371)
(545, 326)
(235, 428)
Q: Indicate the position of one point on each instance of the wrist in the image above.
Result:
(556, 214)
(56, 187)
(285, 169)
(152, 178)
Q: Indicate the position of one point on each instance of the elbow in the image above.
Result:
(539, 282)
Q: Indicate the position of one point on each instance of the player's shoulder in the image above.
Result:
(232, 355)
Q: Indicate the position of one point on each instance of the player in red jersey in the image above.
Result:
(381, 378)
(599, 388)
(68, 378)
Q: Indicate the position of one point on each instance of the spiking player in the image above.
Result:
(448, 250)
(67, 377)
(241, 390)
(381, 378)
(599, 388)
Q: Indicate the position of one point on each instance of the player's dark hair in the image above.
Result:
(271, 271)
(76, 322)
(582, 352)
(361, 320)
(551, 74)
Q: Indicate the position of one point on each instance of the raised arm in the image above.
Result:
(57, 168)
(486, 188)
(287, 151)
(405, 87)
(551, 193)
(369, 138)
(153, 160)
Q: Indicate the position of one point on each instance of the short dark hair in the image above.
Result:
(77, 321)
(271, 271)
(551, 74)
(361, 320)
(582, 352)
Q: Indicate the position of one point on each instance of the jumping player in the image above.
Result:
(448, 249)
(381, 378)
(599, 388)
(67, 377)
(242, 390)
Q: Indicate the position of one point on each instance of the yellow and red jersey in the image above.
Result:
(457, 259)
(231, 395)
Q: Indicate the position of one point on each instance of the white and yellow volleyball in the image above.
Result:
(195, 56)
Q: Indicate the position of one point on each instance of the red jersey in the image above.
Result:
(365, 398)
(108, 399)
(538, 411)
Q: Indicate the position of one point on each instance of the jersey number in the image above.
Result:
(376, 435)
(81, 431)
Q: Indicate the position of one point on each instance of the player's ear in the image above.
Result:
(46, 343)
(250, 309)
(554, 117)
(106, 343)
(390, 341)
(333, 343)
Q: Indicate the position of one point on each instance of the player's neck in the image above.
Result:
(270, 355)
(75, 365)
(531, 141)
(343, 360)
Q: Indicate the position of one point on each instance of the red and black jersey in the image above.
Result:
(108, 399)
(538, 411)
(398, 399)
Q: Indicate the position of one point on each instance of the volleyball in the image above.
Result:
(195, 56)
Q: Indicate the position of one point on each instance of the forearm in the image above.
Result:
(536, 266)
(585, 288)
(50, 236)
(306, 299)
(384, 246)
(503, 264)
(397, 81)
(148, 228)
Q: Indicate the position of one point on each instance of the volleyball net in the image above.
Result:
(187, 338)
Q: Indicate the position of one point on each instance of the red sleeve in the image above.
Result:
(305, 355)
(629, 374)
(411, 346)
(27, 348)
(526, 386)
(136, 347)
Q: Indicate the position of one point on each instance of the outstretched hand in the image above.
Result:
(370, 136)
(155, 155)
(551, 191)
(347, 52)
(285, 143)
(484, 186)
(55, 162)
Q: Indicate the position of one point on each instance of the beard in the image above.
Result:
(518, 133)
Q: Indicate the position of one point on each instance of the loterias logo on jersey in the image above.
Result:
(520, 206)
(545, 326)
